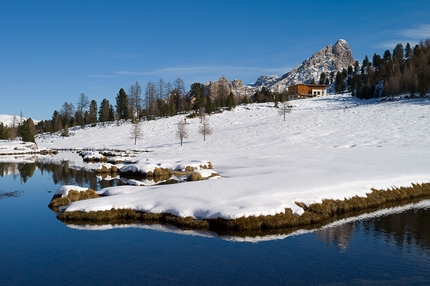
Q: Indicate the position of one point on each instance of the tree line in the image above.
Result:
(20, 127)
(404, 70)
(158, 99)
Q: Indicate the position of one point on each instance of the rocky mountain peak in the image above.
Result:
(331, 58)
(328, 59)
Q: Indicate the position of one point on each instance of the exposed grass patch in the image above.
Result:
(315, 214)
(195, 176)
(207, 166)
(72, 196)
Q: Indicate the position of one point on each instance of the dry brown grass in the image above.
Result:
(195, 176)
(181, 173)
(207, 166)
(314, 215)
(189, 169)
(72, 196)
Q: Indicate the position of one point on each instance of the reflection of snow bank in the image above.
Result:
(209, 234)
(332, 147)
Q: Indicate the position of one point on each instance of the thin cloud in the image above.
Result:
(102, 76)
(198, 70)
(420, 33)
(411, 36)
(389, 44)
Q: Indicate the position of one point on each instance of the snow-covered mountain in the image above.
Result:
(328, 59)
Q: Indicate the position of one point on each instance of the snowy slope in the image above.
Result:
(329, 147)
(8, 120)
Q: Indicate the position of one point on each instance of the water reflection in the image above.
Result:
(340, 236)
(60, 172)
(407, 228)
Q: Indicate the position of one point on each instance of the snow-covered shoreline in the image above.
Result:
(333, 147)
(250, 238)
(17, 147)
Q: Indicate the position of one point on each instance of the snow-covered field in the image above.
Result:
(331, 147)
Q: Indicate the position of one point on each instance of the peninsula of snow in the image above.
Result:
(332, 147)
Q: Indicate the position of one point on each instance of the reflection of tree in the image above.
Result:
(409, 228)
(26, 170)
(4, 169)
(339, 235)
(62, 174)
(8, 168)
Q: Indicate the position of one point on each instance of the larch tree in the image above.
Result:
(150, 98)
(284, 108)
(181, 131)
(82, 106)
(66, 113)
(161, 89)
(205, 128)
(136, 130)
(135, 101)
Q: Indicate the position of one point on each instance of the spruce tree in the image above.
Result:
(4, 134)
(122, 104)
(27, 131)
(230, 101)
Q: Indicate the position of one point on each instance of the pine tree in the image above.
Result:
(4, 134)
(93, 112)
(340, 85)
(122, 104)
(408, 51)
(27, 130)
(230, 101)
(105, 112)
(322, 78)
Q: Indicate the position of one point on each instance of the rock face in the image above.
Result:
(328, 59)
(266, 80)
(223, 87)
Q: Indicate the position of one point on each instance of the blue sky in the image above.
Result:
(52, 51)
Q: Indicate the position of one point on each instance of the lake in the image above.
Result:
(37, 249)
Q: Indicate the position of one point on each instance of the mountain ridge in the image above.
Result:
(331, 58)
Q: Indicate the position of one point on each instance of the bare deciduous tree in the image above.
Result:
(181, 131)
(284, 108)
(135, 101)
(205, 129)
(136, 131)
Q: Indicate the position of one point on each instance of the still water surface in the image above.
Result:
(38, 249)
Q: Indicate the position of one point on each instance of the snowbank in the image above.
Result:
(332, 147)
